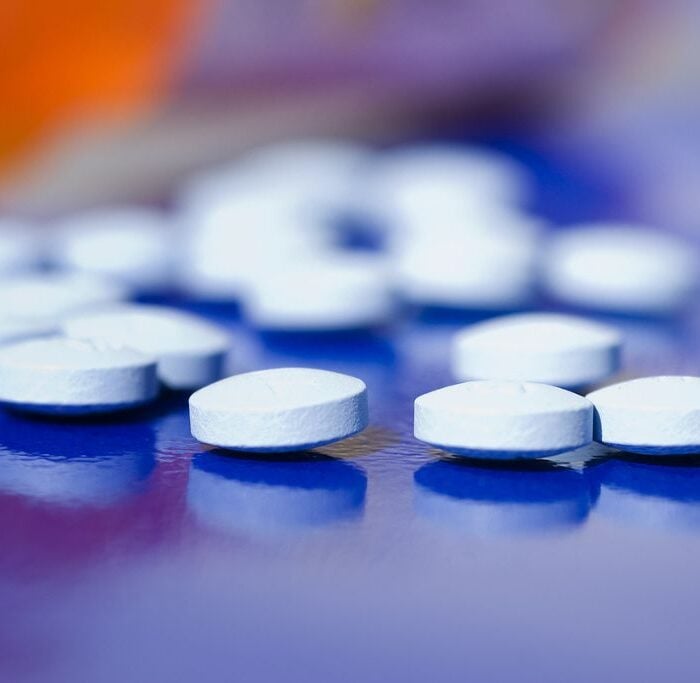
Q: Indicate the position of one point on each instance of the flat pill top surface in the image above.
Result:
(539, 332)
(277, 389)
(150, 329)
(651, 394)
(61, 353)
(494, 397)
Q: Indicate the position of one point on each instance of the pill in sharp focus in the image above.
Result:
(335, 293)
(130, 244)
(503, 420)
(563, 350)
(618, 268)
(50, 297)
(283, 409)
(652, 415)
(191, 352)
(59, 375)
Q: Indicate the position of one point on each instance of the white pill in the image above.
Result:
(19, 247)
(618, 268)
(284, 409)
(271, 497)
(485, 269)
(416, 182)
(50, 297)
(59, 375)
(537, 347)
(504, 420)
(654, 415)
(190, 351)
(314, 295)
(130, 244)
(230, 240)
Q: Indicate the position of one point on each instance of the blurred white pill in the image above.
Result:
(59, 375)
(332, 293)
(273, 497)
(537, 347)
(50, 297)
(190, 351)
(494, 268)
(131, 244)
(19, 247)
(420, 182)
(504, 420)
(228, 241)
(620, 268)
(654, 415)
(284, 409)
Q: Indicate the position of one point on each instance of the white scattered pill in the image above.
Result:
(488, 501)
(50, 297)
(272, 497)
(338, 292)
(284, 409)
(19, 247)
(59, 375)
(621, 268)
(419, 181)
(191, 352)
(130, 244)
(654, 415)
(230, 240)
(504, 420)
(491, 268)
(537, 347)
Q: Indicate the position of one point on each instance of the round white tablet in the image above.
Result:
(50, 297)
(15, 329)
(314, 295)
(190, 351)
(654, 415)
(271, 497)
(490, 268)
(59, 375)
(619, 268)
(284, 409)
(504, 420)
(130, 244)
(538, 347)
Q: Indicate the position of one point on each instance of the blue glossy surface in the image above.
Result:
(129, 552)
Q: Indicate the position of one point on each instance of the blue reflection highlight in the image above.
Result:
(650, 492)
(74, 464)
(492, 499)
(275, 493)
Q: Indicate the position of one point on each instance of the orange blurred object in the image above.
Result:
(67, 59)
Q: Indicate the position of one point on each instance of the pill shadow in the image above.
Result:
(274, 493)
(168, 401)
(658, 492)
(495, 498)
(368, 442)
